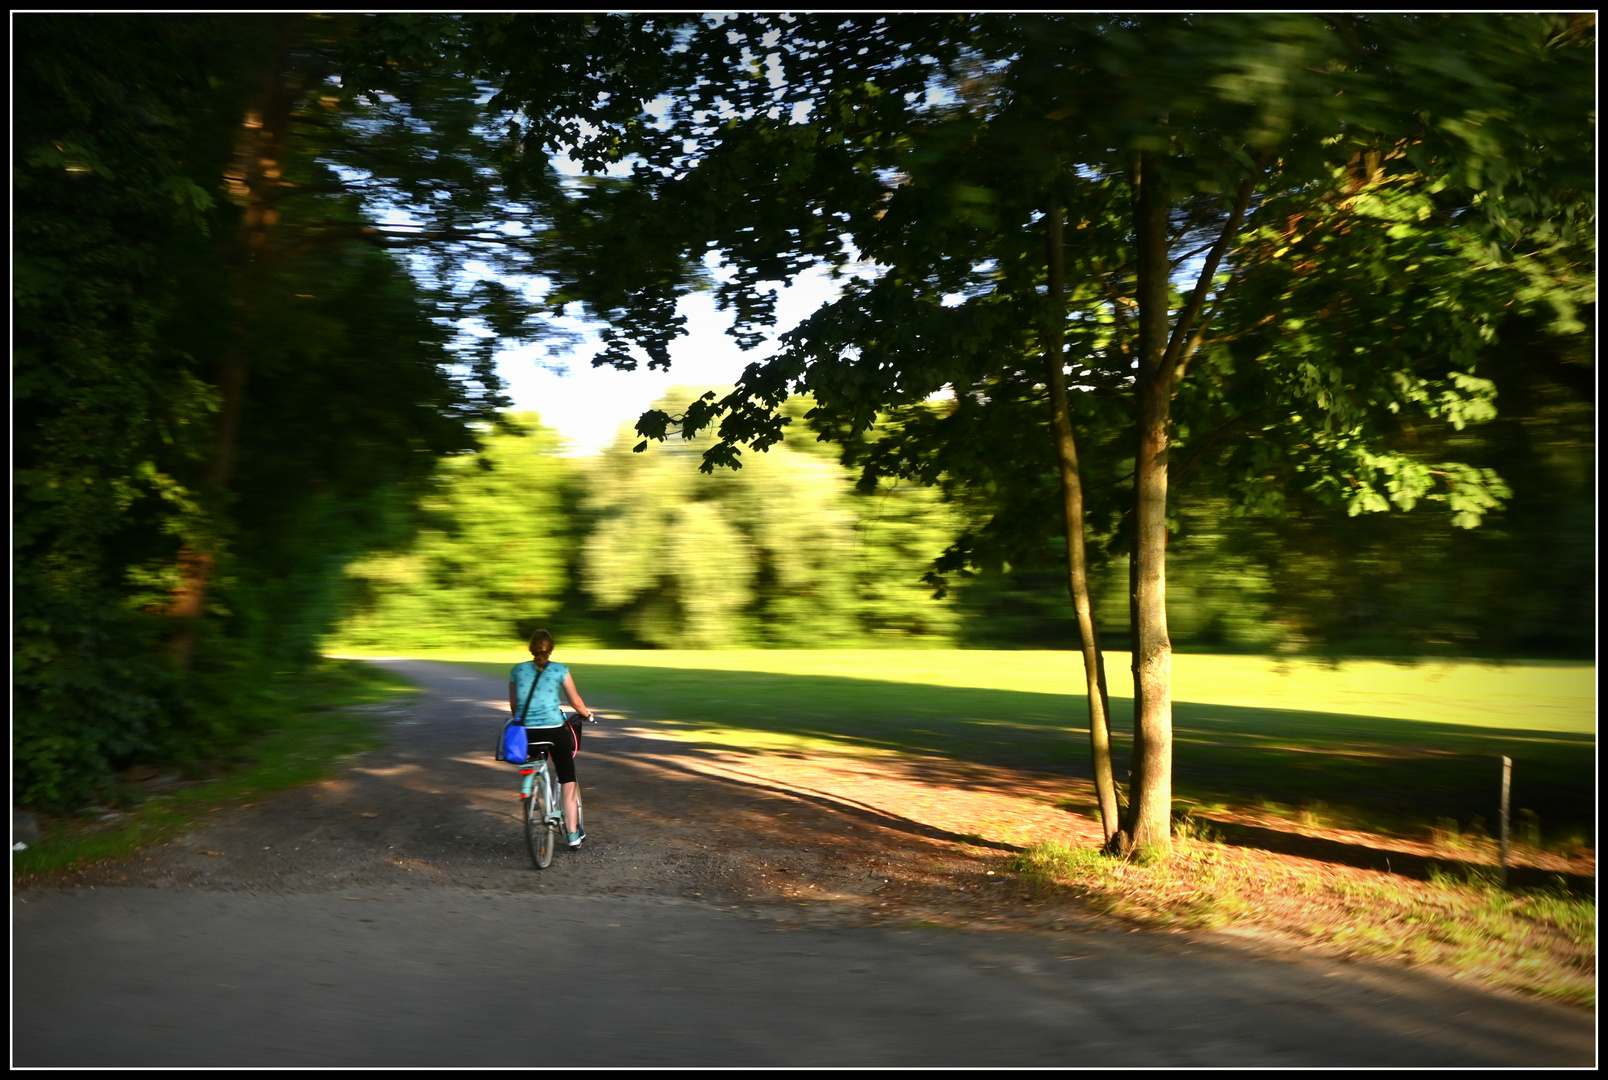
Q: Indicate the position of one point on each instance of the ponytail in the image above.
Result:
(541, 647)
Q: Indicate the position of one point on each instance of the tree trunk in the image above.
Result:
(1150, 800)
(252, 178)
(198, 558)
(1163, 354)
(1077, 563)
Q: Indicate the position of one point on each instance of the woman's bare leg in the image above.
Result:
(570, 795)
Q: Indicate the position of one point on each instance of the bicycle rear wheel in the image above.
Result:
(538, 826)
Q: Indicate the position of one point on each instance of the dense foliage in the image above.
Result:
(223, 382)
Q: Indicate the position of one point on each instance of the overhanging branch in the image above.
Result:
(1197, 298)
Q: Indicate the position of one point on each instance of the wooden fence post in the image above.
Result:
(1507, 784)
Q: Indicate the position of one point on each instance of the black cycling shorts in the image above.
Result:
(562, 751)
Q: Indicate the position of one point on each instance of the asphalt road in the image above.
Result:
(410, 969)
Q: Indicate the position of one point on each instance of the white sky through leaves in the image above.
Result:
(589, 405)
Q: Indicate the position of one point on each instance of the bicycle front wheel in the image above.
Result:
(539, 825)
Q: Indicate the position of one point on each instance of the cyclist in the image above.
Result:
(544, 722)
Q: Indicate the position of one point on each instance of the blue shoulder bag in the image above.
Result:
(514, 746)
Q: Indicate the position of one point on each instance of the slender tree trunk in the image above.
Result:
(1124, 839)
(1164, 352)
(1077, 562)
(1150, 799)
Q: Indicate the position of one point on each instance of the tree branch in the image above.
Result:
(1190, 255)
(1197, 298)
(1195, 219)
(1257, 325)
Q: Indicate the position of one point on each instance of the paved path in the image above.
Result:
(256, 968)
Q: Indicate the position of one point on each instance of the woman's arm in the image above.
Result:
(513, 699)
(574, 696)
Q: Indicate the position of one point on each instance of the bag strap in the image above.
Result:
(531, 692)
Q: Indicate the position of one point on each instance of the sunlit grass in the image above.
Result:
(751, 741)
(316, 731)
(1538, 697)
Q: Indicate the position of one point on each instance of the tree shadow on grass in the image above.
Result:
(1386, 775)
(1404, 863)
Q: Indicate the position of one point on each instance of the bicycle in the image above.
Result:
(544, 810)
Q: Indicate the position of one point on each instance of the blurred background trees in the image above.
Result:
(788, 553)
(782, 554)
(487, 553)
(646, 551)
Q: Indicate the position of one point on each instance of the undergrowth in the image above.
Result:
(315, 729)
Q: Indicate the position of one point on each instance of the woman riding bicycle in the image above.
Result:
(545, 723)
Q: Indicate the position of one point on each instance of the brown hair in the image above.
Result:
(541, 647)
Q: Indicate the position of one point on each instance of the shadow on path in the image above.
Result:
(837, 804)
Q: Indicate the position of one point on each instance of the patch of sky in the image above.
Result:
(855, 265)
(347, 174)
(400, 218)
(591, 406)
(891, 177)
(1187, 273)
(659, 109)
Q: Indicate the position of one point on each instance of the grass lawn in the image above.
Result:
(316, 732)
(1374, 746)
(1541, 941)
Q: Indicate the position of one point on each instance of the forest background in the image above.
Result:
(633, 550)
(261, 275)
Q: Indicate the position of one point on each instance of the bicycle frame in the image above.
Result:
(540, 762)
(538, 770)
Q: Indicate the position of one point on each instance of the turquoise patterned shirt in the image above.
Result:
(543, 711)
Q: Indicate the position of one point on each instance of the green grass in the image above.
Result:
(1532, 696)
(1541, 941)
(312, 737)
(1393, 761)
